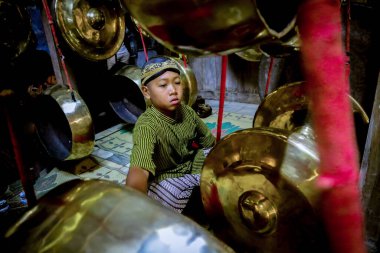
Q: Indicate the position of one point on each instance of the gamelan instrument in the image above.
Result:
(93, 29)
(216, 26)
(101, 216)
(64, 123)
(258, 189)
(287, 108)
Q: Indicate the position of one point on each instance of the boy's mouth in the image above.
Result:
(174, 101)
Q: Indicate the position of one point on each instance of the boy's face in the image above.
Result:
(165, 92)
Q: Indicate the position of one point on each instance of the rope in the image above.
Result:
(222, 95)
(143, 44)
(59, 52)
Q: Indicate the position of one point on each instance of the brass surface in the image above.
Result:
(287, 108)
(100, 216)
(132, 72)
(215, 26)
(16, 30)
(64, 124)
(258, 188)
(253, 54)
(256, 52)
(93, 29)
(189, 82)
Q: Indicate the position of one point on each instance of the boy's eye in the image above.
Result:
(162, 85)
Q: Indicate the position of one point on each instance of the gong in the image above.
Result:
(216, 26)
(100, 216)
(93, 29)
(124, 94)
(287, 108)
(258, 189)
(64, 124)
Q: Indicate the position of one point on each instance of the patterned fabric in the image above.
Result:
(162, 145)
(174, 193)
(152, 69)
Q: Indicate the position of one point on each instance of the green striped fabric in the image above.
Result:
(161, 144)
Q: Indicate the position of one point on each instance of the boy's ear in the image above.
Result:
(145, 92)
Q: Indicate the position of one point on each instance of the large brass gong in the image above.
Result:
(64, 124)
(100, 216)
(258, 189)
(214, 26)
(287, 108)
(94, 29)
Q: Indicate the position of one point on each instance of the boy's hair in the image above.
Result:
(156, 66)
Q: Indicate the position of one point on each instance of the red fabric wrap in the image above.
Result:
(322, 51)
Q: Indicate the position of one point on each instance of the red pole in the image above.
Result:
(24, 178)
(269, 75)
(322, 51)
(221, 96)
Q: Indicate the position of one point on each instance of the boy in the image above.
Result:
(168, 138)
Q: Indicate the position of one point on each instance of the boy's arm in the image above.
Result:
(138, 179)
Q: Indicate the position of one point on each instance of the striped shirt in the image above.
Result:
(161, 144)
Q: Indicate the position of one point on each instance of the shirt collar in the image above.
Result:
(172, 121)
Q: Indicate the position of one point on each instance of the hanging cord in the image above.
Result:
(184, 61)
(222, 95)
(269, 75)
(59, 52)
(143, 43)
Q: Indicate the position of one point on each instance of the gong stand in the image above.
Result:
(222, 96)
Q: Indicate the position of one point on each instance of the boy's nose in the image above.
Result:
(172, 90)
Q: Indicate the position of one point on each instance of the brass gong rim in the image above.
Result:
(94, 30)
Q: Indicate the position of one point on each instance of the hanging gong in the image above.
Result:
(16, 29)
(124, 94)
(287, 108)
(92, 28)
(100, 216)
(64, 124)
(214, 26)
(258, 189)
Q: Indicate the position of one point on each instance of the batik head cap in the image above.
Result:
(156, 68)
